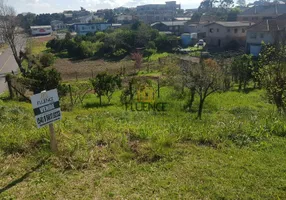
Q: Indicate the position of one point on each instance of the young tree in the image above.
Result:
(272, 74)
(138, 58)
(9, 28)
(242, 70)
(206, 78)
(105, 85)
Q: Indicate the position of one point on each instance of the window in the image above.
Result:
(253, 35)
(217, 30)
(243, 30)
(228, 30)
(261, 35)
(82, 28)
(211, 30)
(92, 27)
(235, 30)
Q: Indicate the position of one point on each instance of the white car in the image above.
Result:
(201, 42)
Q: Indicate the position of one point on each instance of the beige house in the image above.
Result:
(220, 34)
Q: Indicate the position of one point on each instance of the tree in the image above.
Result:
(272, 74)
(242, 70)
(138, 58)
(206, 78)
(105, 85)
(9, 28)
(241, 3)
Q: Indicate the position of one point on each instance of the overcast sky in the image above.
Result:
(51, 6)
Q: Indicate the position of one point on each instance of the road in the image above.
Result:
(7, 64)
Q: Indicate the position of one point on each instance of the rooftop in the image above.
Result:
(47, 26)
(231, 24)
(277, 24)
(273, 9)
(171, 23)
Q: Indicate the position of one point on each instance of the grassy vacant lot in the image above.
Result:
(236, 152)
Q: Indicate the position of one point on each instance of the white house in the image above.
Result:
(83, 29)
(41, 30)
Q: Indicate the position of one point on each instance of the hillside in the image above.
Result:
(235, 152)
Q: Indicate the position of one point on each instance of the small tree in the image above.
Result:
(47, 59)
(242, 70)
(272, 74)
(205, 78)
(105, 85)
(138, 58)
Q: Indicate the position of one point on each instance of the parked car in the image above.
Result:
(201, 42)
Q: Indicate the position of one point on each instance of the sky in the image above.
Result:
(53, 6)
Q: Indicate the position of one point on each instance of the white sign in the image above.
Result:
(46, 107)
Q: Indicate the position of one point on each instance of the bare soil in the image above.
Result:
(84, 69)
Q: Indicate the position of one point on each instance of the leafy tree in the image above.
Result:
(242, 70)
(39, 79)
(105, 85)
(272, 74)
(68, 36)
(47, 59)
(232, 14)
(206, 78)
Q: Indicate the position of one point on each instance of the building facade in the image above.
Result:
(259, 13)
(41, 30)
(174, 27)
(268, 31)
(220, 34)
(158, 12)
(83, 29)
(58, 25)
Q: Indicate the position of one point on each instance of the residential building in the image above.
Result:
(58, 25)
(124, 18)
(259, 13)
(83, 29)
(268, 31)
(219, 34)
(41, 30)
(175, 27)
(158, 12)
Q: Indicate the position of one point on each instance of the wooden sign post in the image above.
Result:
(47, 110)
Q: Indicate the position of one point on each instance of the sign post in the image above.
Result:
(47, 110)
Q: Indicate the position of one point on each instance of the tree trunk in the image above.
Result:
(193, 92)
(200, 111)
(239, 85)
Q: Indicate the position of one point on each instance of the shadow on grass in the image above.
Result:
(96, 105)
(22, 178)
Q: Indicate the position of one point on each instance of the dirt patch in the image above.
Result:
(85, 69)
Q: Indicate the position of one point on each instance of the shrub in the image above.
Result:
(47, 59)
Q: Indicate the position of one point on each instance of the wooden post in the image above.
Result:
(53, 141)
(158, 87)
(70, 91)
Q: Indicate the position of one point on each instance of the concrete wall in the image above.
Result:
(258, 37)
(217, 35)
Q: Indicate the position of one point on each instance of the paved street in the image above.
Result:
(7, 64)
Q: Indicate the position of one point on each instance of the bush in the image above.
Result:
(47, 59)
(39, 79)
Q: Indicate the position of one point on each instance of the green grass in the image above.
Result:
(157, 56)
(237, 151)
